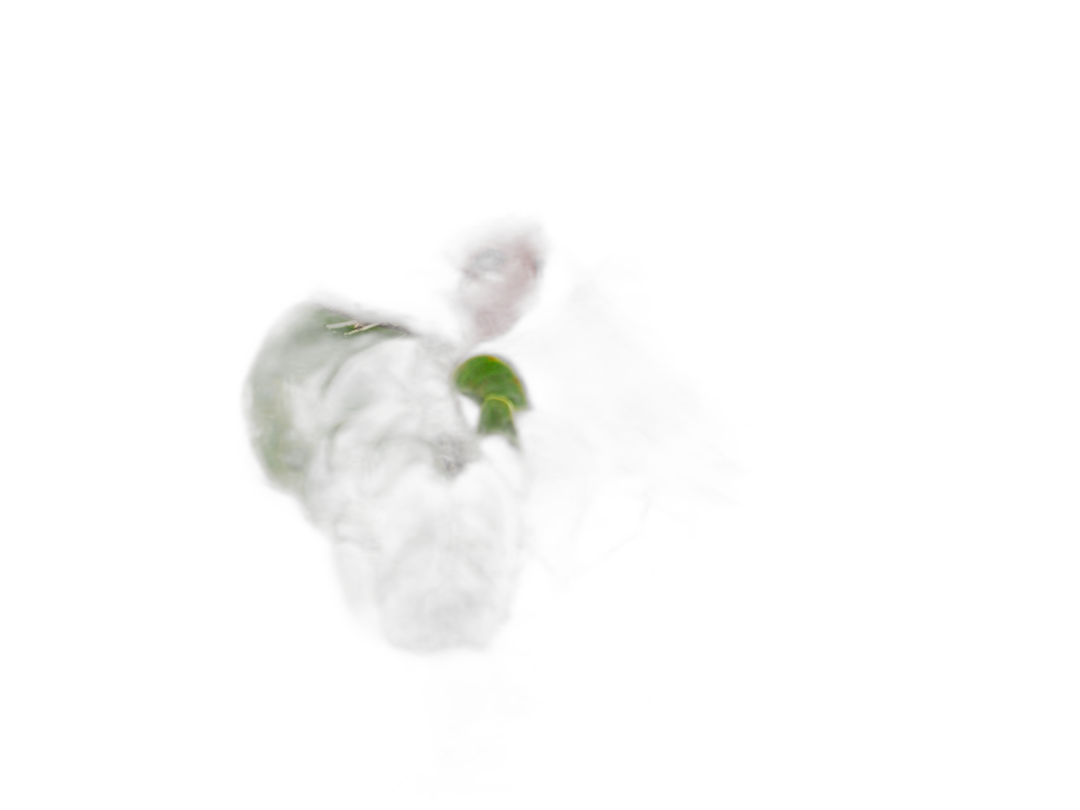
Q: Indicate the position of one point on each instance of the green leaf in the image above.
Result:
(324, 494)
(497, 418)
(296, 351)
(363, 381)
(484, 376)
(447, 559)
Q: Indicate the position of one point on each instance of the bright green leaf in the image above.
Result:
(483, 376)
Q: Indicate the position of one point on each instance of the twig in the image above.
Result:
(362, 322)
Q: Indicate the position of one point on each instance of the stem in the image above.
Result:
(549, 566)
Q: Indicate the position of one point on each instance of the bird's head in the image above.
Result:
(501, 262)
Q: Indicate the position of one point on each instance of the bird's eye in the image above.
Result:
(490, 259)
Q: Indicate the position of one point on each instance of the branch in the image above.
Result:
(362, 321)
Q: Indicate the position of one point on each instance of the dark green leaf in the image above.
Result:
(447, 559)
(484, 376)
